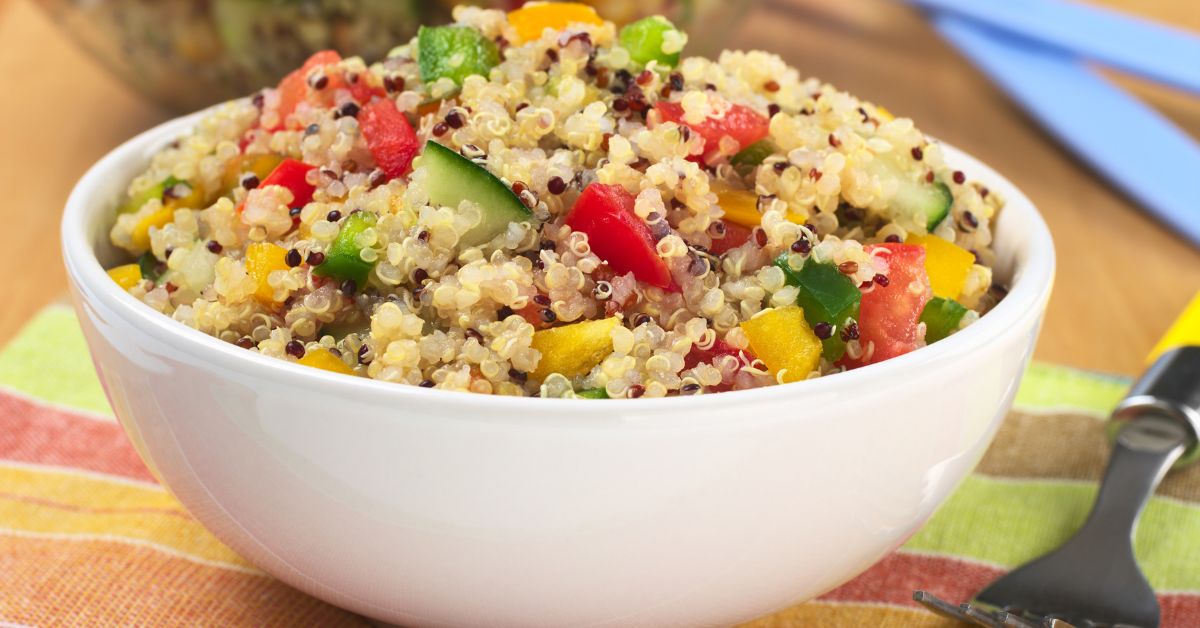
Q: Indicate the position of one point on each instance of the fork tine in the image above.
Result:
(941, 607)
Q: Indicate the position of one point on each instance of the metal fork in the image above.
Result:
(1093, 578)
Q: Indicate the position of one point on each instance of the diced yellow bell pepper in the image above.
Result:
(196, 198)
(261, 259)
(126, 276)
(572, 350)
(533, 18)
(325, 360)
(1184, 331)
(140, 237)
(782, 339)
(741, 206)
(884, 114)
(261, 165)
(947, 264)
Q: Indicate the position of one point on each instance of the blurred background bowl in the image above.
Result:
(186, 54)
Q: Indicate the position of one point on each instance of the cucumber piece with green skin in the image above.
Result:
(592, 393)
(826, 296)
(344, 259)
(643, 40)
(752, 156)
(451, 179)
(155, 191)
(454, 52)
(942, 318)
(927, 203)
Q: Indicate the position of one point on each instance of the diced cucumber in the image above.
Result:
(452, 179)
(751, 156)
(827, 296)
(136, 201)
(926, 203)
(344, 259)
(454, 52)
(644, 40)
(942, 318)
(592, 393)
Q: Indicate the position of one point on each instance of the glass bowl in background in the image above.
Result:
(186, 54)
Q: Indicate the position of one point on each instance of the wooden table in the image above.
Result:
(1121, 276)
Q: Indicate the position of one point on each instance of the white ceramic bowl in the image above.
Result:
(427, 507)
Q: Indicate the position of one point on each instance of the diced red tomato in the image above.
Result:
(618, 236)
(740, 122)
(390, 138)
(291, 174)
(735, 236)
(294, 87)
(706, 356)
(889, 315)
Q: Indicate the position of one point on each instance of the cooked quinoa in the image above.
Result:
(720, 191)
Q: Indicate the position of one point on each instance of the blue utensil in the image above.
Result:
(1129, 143)
(1155, 51)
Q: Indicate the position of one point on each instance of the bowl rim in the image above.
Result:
(1028, 293)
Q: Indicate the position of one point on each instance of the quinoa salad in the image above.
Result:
(540, 203)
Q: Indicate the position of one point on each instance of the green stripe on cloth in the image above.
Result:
(1009, 522)
(1054, 388)
(48, 360)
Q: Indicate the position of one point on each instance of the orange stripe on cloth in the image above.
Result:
(851, 615)
(43, 434)
(75, 505)
(893, 580)
(94, 583)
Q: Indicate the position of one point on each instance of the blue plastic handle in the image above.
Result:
(1132, 145)
(1164, 54)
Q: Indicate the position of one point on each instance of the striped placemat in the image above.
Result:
(87, 537)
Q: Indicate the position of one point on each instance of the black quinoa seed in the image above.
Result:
(423, 236)
(295, 348)
(316, 258)
(245, 342)
(959, 177)
(333, 216)
(293, 258)
(636, 390)
(319, 81)
(504, 312)
(848, 267)
(455, 119)
(552, 55)
(312, 129)
(549, 316)
(881, 280)
(420, 275)
(474, 333)
(426, 383)
(547, 245)
(349, 287)
(689, 388)
(348, 110)
(892, 238)
(641, 319)
(780, 166)
(250, 181)
(917, 153)
(676, 81)
(213, 246)
(257, 100)
(393, 83)
(440, 129)
(517, 376)
(802, 246)
(850, 332)
(556, 185)
(773, 109)
(823, 330)
(541, 300)
(970, 220)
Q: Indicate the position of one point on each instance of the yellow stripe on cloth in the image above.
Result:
(851, 615)
(78, 504)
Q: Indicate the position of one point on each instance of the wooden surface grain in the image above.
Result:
(1121, 276)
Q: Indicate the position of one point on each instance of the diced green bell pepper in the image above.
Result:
(827, 296)
(592, 393)
(344, 259)
(644, 40)
(751, 156)
(942, 318)
(454, 52)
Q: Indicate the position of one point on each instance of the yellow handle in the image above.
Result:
(1184, 331)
